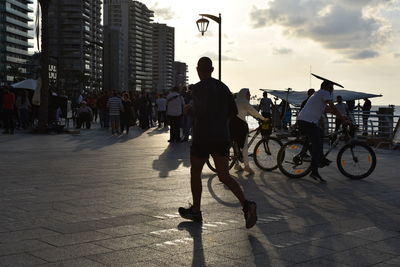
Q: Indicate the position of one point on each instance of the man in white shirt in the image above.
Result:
(265, 106)
(343, 109)
(161, 105)
(308, 123)
(175, 105)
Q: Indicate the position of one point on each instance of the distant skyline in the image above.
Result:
(275, 44)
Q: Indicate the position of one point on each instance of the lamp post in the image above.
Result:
(44, 62)
(202, 25)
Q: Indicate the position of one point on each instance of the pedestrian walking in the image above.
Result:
(8, 110)
(212, 108)
(115, 107)
(175, 105)
(126, 113)
(84, 116)
(265, 106)
(161, 106)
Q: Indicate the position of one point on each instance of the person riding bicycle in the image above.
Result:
(308, 118)
(240, 129)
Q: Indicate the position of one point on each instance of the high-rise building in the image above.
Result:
(14, 38)
(180, 74)
(113, 59)
(76, 44)
(133, 20)
(163, 57)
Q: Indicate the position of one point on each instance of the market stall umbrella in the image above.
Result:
(295, 98)
(29, 84)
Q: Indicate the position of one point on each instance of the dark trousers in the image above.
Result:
(174, 133)
(8, 120)
(84, 118)
(365, 117)
(315, 135)
(161, 118)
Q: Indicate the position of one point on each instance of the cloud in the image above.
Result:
(350, 27)
(214, 57)
(163, 12)
(396, 55)
(282, 51)
(365, 54)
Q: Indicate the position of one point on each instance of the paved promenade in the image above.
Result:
(93, 199)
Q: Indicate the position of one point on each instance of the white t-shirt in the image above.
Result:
(342, 108)
(161, 104)
(315, 106)
(175, 104)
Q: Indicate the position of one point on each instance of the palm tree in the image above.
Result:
(44, 62)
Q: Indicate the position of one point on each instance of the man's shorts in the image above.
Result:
(114, 118)
(204, 150)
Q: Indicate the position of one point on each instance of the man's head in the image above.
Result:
(339, 99)
(204, 68)
(327, 85)
(310, 92)
(265, 94)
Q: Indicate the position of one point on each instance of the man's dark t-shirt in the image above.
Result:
(213, 107)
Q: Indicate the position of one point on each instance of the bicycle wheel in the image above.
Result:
(294, 159)
(232, 159)
(356, 160)
(266, 152)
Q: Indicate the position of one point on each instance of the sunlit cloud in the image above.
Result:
(282, 51)
(350, 27)
(165, 13)
(214, 57)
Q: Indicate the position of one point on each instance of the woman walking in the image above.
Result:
(126, 114)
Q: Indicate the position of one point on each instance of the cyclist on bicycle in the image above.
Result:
(308, 118)
(240, 128)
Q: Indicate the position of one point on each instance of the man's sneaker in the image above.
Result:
(248, 169)
(187, 213)
(238, 167)
(250, 213)
(317, 177)
(324, 162)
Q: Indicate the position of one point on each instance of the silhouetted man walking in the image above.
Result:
(213, 107)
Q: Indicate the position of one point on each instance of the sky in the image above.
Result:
(275, 44)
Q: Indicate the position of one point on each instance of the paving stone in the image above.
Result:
(26, 235)
(373, 233)
(22, 259)
(340, 242)
(79, 262)
(391, 245)
(22, 246)
(360, 257)
(69, 252)
(75, 238)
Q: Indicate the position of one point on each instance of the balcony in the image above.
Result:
(19, 4)
(19, 42)
(15, 60)
(17, 51)
(18, 13)
(19, 23)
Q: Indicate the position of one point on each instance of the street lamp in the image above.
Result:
(202, 25)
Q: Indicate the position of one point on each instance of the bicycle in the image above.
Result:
(355, 159)
(264, 152)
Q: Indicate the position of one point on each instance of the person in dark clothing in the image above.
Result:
(84, 115)
(366, 109)
(310, 92)
(212, 108)
(143, 107)
(126, 114)
(8, 110)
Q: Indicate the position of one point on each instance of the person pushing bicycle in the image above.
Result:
(307, 121)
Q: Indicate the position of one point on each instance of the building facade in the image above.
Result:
(15, 16)
(163, 57)
(134, 22)
(180, 74)
(76, 44)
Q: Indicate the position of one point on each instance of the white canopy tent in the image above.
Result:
(28, 84)
(295, 98)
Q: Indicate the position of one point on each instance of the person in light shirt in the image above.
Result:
(343, 109)
(308, 118)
